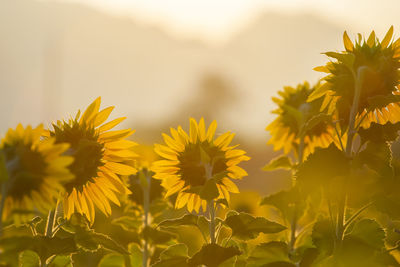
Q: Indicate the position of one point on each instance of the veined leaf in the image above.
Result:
(212, 255)
(282, 162)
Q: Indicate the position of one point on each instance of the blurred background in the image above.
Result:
(161, 61)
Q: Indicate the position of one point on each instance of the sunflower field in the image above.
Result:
(81, 193)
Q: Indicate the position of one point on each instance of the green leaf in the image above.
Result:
(323, 236)
(273, 253)
(245, 226)
(135, 256)
(380, 101)
(204, 157)
(313, 122)
(212, 255)
(156, 236)
(321, 167)
(128, 223)
(29, 258)
(173, 256)
(282, 162)
(91, 241)
(3, 168)
(347, 59)
(378, 157)
(188, 219)
(370, 233)
(209, 190)
(286, 202)
(61, 261)
(112, 260)
(379, 133)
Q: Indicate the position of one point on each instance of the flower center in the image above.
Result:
(85, 149)
(26, 170)
(192, 169)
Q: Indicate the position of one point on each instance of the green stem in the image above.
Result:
(50, 223)
(211, 210)
(2, 202)
(358, 79)
(355, 215)
(146, 206)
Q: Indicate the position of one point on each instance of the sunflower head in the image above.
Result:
(35, 170)
(144, 176)
(198, 166)
(293, 121)
(100, 156)
(374, 65)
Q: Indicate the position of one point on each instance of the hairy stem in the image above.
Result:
(146, 205)
(2, 202)
(358, 78)
(211, 210)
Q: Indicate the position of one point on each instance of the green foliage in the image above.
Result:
(245, 226)
(212, 255)
(273, 253)
(175, 255)
(282, 162)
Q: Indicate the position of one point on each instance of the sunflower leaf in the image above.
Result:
(313, 122)
(28, 258)
(245, 226)
(282, 162)
(321, 167)
(156, 236)
(128, 223)
(381, 101)
(188, 219)
(212, 255)
(323, 236)
(369, 232)
(175, 255)
(3, 169)
(379, 133)
(274, 253)
(210, 190)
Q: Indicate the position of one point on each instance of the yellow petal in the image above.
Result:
(102, 116)
(91, 110)
(371, 39)
(211, 130)
(111, 124)
(119, 168)
(388, 37)
(193, 131)
(202, 130)
(348, 44)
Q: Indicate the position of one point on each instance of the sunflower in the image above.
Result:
(145, 173)
(34, 171)
(196, 164)
(294, 113)
(378, 81)
(100, 156)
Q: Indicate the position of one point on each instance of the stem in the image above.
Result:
(50, 223)
(349, 144)
(355, 215)
(2, 202)
(293, 223)
(146, 204)
(212, 220)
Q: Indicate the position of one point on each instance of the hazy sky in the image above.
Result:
(216, 20)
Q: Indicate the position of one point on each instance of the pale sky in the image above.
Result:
(217, 20)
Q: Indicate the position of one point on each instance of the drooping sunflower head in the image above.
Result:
(198, 166)
(34, 169)
(293, 121)
(100, 156)
(371, 64)
(144, 176)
